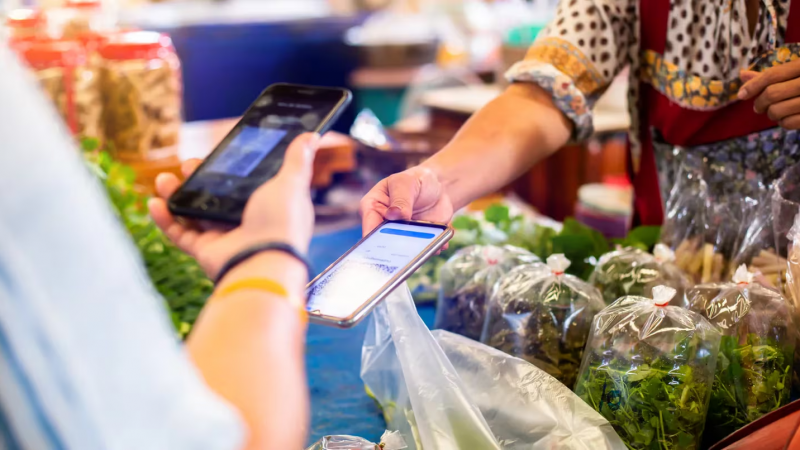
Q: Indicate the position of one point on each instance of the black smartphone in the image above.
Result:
(350, 288)
(254, 150)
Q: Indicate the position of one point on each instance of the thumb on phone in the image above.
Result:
(403, 191)
(299, 160)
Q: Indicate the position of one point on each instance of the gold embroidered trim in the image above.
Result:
(570, 61)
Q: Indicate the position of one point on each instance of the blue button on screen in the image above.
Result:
(407, 233)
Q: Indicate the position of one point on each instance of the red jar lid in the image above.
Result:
(92, 40)
(43, 54)
(25, 18)
(87, 4)
(136, 45)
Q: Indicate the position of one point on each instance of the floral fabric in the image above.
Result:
(566, 95)
(701, 93)
(708, 43)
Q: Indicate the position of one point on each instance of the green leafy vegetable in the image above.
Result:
(653, 400)
(466, 284)
(752, 379)
(643, 238)
(581, 244)
(542, 318)
(175, 275)
(631, 271)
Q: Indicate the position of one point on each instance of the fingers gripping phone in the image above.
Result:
(253, 151)
(350, 288)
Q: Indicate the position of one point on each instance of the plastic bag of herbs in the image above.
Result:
(708, 212)
(444, 391)
(467, 280)
(753, 375)
(648, 368)
(543, 317)
(632, 271)
(389, 441)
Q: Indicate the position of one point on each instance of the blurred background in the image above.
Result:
(161, 81)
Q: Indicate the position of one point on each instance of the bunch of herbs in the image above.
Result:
(649, 371)
(753, 375)
(536, 316)
(753, 378)
(174, 274)
(632, 271)
(467, 280)
(581, 244)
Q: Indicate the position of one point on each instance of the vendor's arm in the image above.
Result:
(248, 343)
(572, 62)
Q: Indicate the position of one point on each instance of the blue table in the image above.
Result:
(339, 404)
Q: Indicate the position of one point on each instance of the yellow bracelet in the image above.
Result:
(259, 284)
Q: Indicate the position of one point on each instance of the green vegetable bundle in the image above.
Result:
(175, 275)
(648, 368)
(543, 315)
(467, 280)
(581, 244)
(632, 271)
(753, 375)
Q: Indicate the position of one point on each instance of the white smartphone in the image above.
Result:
(347, 291)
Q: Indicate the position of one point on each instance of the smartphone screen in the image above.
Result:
(348, 285)
(253, 151)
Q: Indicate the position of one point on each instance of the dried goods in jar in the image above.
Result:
(142, 91)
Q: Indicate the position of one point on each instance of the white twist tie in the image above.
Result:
(558, 263)
(663, 254)
(742, 275)
(393, 440)
(662, 295)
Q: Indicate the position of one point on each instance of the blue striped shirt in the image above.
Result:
(88, 359)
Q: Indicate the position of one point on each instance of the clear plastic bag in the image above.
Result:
(443, 391)
(708, 212)
(753, 374)
(389, 441)
(631, 271)
(786, 232)
(757, 247)
(543, 316)
(648, 369)
(467, 279)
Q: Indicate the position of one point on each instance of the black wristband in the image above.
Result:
(247, 253)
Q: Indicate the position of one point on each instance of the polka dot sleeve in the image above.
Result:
(578, 55)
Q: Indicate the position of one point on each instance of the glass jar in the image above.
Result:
(78, 17)
(61, 68)
(25, 24)
(141, 83)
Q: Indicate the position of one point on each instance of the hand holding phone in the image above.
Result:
(287, 193)
(350, 288)
(253, 151)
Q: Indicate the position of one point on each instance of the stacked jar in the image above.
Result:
(25, 25)
(62, 69)
(141, 85)
(78, 17)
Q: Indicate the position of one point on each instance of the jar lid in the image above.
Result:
(25, 18)
(92, 39)
(53, 53)
(87, 4)
(135, 45)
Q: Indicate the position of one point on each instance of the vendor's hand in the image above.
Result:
(776, 92)
(415, 194)
(280, 211)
